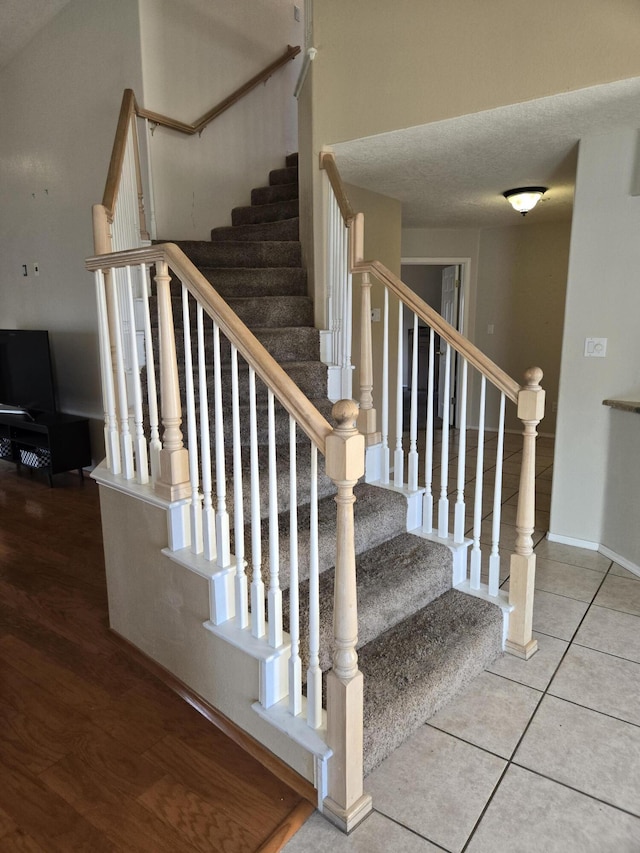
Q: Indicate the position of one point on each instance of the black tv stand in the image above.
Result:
(49, 441)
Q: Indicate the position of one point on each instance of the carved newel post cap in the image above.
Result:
(533, 377)
(345, 414)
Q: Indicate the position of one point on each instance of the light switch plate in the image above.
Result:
(595, 347)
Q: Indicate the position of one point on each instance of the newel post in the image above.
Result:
(173, 482)
(523, 562)
(346, 804)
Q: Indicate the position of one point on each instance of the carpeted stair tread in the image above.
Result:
(288, 175)
(272, 212)
(273, 313)
(261, 281)
(413, 669)
(271, 194)
(282, 230)
(395, 579)
(381, 514)
(242, 253)
(309, 376)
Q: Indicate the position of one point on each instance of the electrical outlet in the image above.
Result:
(375, 315)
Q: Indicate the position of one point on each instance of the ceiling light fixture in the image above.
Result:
(524, 199)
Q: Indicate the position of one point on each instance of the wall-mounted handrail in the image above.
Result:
(130, 108)
(199, 125)
(315, 426)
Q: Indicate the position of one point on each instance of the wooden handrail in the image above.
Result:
(127, 110)
(425, 312)
(199, 125)
(314, 425)
(328, 163)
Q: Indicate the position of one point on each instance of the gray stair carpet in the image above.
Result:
(419, 641)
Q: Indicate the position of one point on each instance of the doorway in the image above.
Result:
(443, 284)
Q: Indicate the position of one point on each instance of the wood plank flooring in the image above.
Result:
(96, 753)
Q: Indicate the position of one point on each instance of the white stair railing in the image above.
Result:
(424, 456)
(230, 382)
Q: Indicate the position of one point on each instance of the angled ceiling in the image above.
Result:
(20, 20)
(451, 174)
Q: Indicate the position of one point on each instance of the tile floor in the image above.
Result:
(542, 755)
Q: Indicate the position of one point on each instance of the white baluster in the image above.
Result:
(223, 545)
(140, 441)
(195, 510)
(295, 664)
(460, 508)
(257, 584)
(208, 516)
(384, 423)
(314, 674)
(242, 603)
(155, 445)
(412, 475)
(494, 559)
(398, 456)
(111, 442)
(476, 551)
(427, 503)
(443, 503)
(126, 444)
(275, 593)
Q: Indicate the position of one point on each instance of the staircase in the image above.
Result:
(419, 640)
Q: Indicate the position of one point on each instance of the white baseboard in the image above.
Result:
(621, 561)
(570, 540)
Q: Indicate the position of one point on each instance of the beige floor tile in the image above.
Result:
(618, 571)
(543, 501)
(586, 750)
(492, 713)
(508, 516)
(557, 615)
(619, 594)
(507, 535)
(435, 785)
(573, 556)
(376, 834)
(611, 631)
(537, 671)
(601, 682)
(543, 486)
(529, 814)
(563, 579)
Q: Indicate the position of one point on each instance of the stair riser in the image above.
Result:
(251, 282)
(270, 195)
(288, 175)
(272, 314)
(265, 212)
(310, 377)
(287, 229)
(243, 254)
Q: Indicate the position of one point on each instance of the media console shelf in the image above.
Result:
(51, 442)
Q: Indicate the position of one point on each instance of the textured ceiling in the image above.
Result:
(451, 174)
(20, 20)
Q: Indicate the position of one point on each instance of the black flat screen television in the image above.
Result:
(26, 374)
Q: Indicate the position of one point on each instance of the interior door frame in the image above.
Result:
(464, 263)
(465, 282)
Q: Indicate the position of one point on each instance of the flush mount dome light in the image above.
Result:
(524, 199)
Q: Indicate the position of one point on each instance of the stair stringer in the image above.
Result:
(159, 601)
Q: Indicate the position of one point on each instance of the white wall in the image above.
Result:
(60, 99)
(195, 53)
(603, 300)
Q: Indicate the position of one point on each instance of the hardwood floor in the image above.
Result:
(96, 753)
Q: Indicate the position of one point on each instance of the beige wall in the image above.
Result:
(194, 54)
(522, 282)
(382, 67)
(382, 218)
(517, 284)
(603, 300)
(60, 99)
